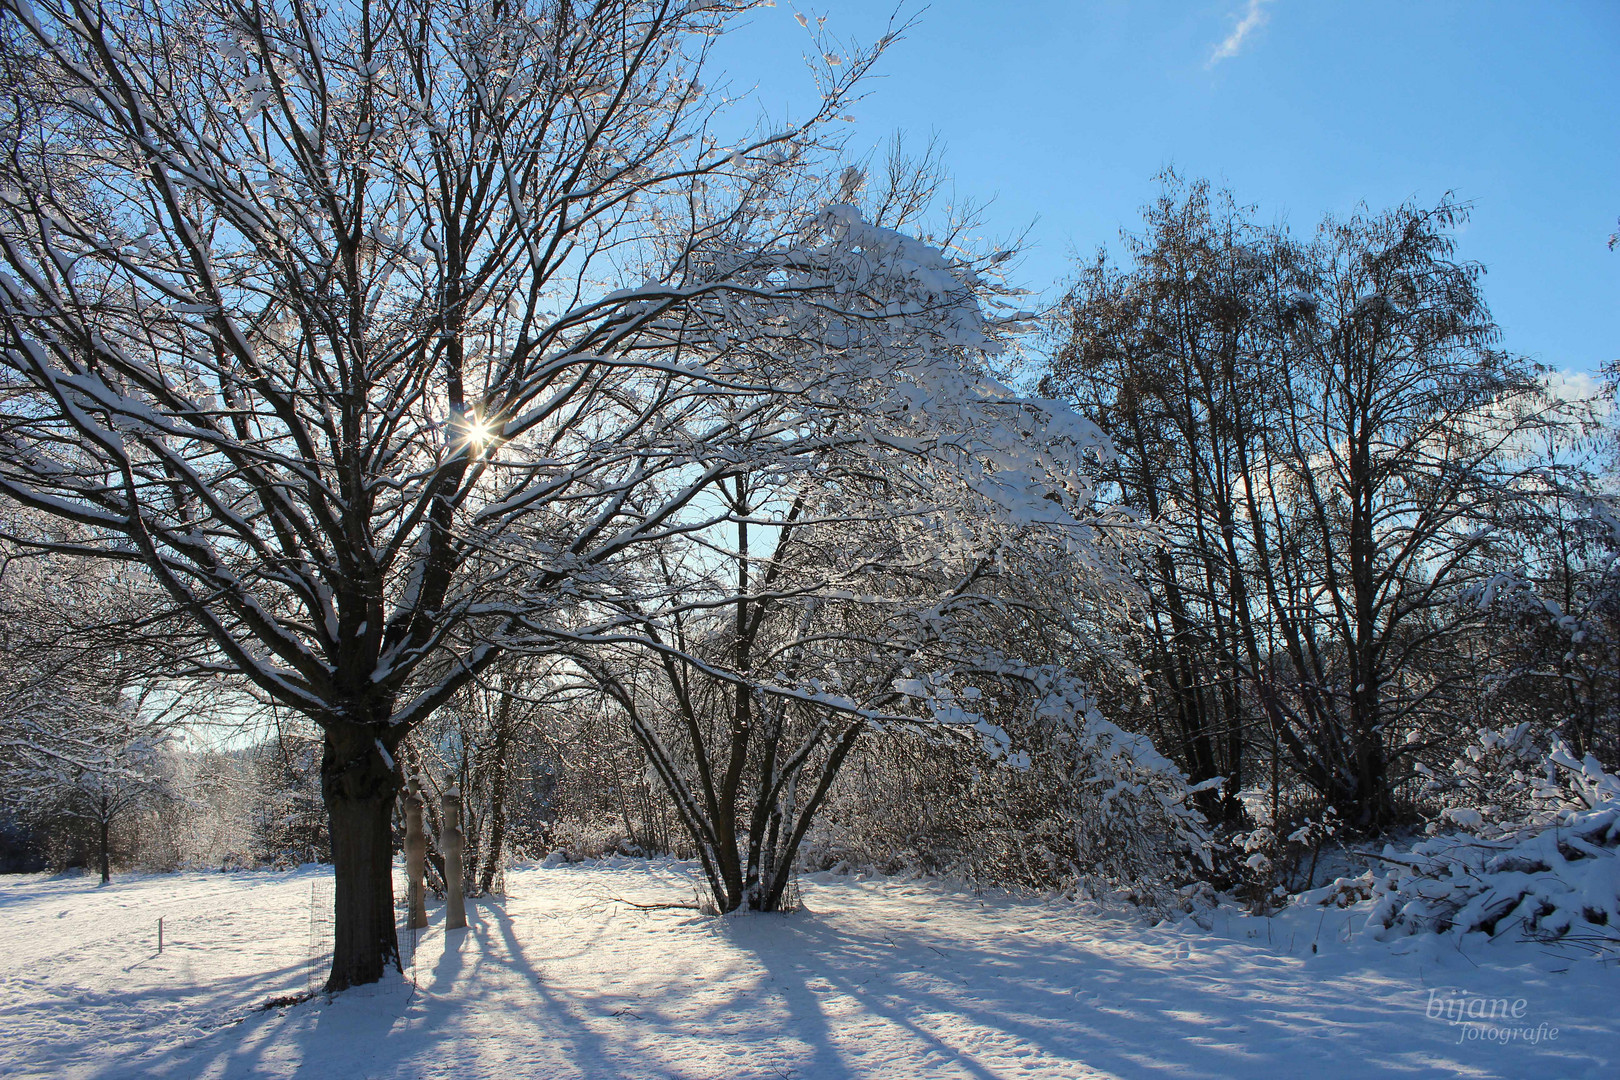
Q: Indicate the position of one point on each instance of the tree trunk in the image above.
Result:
(359, 788)
(106, 869)
(1374, 807)
(496, 839)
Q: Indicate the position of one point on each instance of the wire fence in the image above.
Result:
(321, 939)
(409, 937)
(320, 933)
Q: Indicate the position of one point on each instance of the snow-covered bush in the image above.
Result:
(1502, 776)
(1128, 814)
(1553, 873)
(1279, 856)
(1073, 802)
(1552, 636)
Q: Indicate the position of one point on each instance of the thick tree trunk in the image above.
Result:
(359, 788)
(106, 868)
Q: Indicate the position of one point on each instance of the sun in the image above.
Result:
(470, 429)
(479, 431)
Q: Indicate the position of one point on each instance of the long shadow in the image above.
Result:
(349, 1034)
(19, 891)
(393, 1031)
(772, 939)
(1051, 999)
(984, 1006)
(562, 1011)
(860, 968)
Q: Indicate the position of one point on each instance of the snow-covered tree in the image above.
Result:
(396, 337)
(366, 330)
(484, 744)
(842, 592)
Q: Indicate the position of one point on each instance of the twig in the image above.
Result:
(655, 907)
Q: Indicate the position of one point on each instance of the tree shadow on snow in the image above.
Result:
(828, 995)
(439, 1026)
(984, 1007)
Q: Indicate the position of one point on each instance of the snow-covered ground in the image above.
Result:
(874, 978)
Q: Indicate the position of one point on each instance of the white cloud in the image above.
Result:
(1579, 387)
(1254, 17)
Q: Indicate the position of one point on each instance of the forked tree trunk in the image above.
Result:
(359, 788)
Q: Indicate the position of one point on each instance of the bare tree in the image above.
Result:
(365, 330)
(478, 744)
(843, 592)
(1404, 441)
(1332, 446)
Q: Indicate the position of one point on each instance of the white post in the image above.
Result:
(455, 908)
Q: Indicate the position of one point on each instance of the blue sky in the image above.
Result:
(1063, 112)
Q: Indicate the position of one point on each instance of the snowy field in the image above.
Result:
(874, 978)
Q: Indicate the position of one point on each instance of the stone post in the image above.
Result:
(455, 908)
(415, 860)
